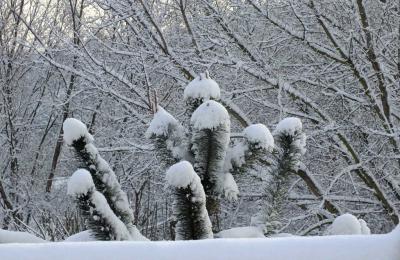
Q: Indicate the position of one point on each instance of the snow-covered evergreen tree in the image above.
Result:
(104, 178)
(290, 144)
(189, 206)
(206, 142)
(99, 217)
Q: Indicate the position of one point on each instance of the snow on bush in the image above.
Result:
(210, 115)
(75, 129)
(289, 126)
(371, 247)
(161, 123)
(259, 135)
(181, 175)
(241, 232)
(81, 182)
(203, 88)
(230, 188)
(348, 224)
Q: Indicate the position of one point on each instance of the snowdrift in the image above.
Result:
(346, 247)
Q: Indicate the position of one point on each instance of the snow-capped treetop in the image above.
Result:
(347, 224)
(182, 175)
(75, 129)
(289, 126)
(202, 87)
(160, 124)
(210, 115)
(259, 135)
(81, 182)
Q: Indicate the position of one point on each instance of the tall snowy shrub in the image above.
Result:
(206, 142)
(189, 206)
(104, 178)
(290, 144)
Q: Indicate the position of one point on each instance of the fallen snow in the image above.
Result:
(17, 237)
(241, 232)
(75, 129)
(84, 236)
(210, 115)
(348, 224)
(371, 247)
(80, 183)
(202, 87)
(259, 135)
(289, 126)
(161, 123)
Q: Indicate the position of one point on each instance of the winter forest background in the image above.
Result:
(333, 64)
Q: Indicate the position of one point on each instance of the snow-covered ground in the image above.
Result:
(346, 247)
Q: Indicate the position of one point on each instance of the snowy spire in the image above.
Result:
(189, 207)
(260, 136)
(161, 124)
(104, 177)
(74, 130)
(202, 88)
(210, 115)
(80, 183)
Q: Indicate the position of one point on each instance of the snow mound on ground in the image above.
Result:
(202, 87)
(81, 182)
(181, 174)
(161, 123)
(259, 135)
(18, 237)
(289, 126)
(348, 224)
(84, 236)
(372, 247)
(75, 129)
(241, 232)
(210, 115)
(364, 227)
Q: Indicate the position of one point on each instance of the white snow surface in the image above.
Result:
(289, 126)
(371, 247)
(202, 88)
(241, 232)
(348, 224)
(75, 129)
(260, 135)
(160, 124)
(210, 115)
(84, 236)
(80, 183)
(7, 236)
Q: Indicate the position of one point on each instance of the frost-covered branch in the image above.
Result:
(105, 180)
(101, 220)
(189, 207)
